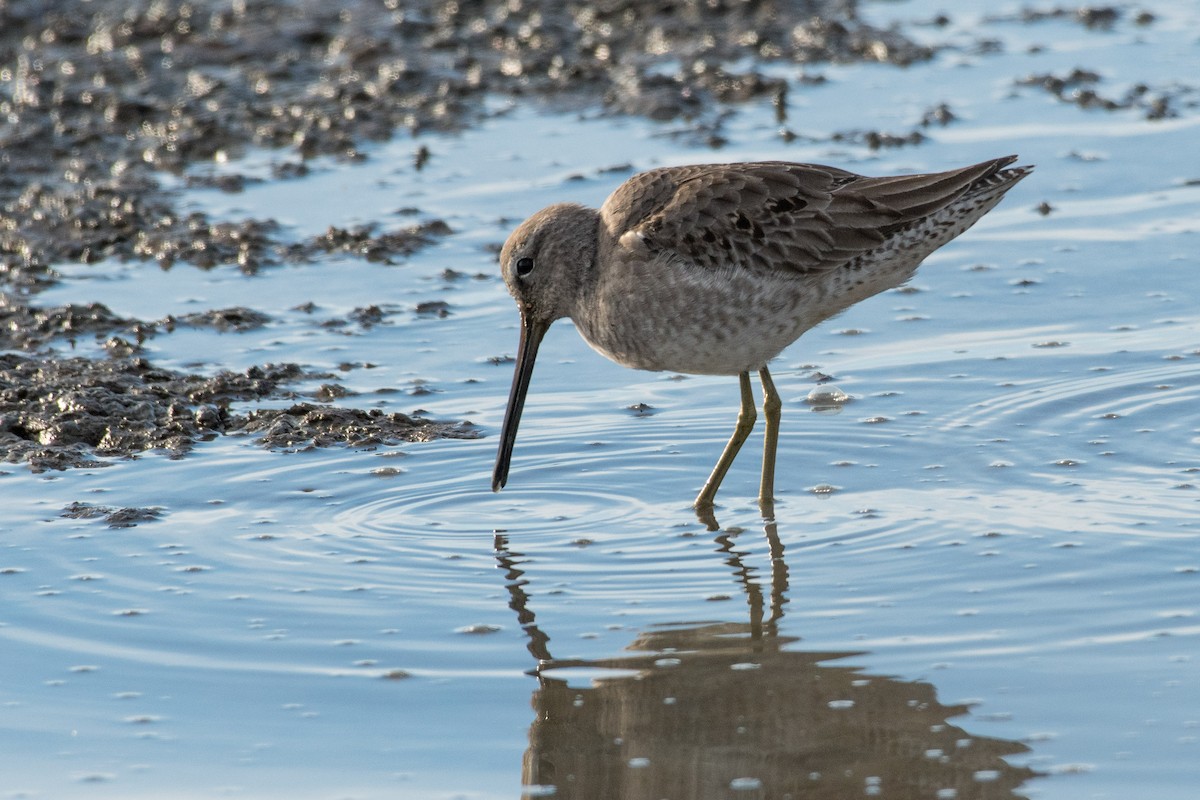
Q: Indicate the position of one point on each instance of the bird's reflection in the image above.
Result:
(725, 709)
(707, 515)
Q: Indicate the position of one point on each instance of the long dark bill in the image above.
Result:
(532, 332)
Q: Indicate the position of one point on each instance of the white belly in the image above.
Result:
(699, 321)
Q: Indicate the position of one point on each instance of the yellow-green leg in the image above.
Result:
(745, 423)
(771, 410)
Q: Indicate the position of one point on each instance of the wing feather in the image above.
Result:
(777, 215)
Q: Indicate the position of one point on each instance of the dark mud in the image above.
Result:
(115, 517)
(32, 328)
(57, 413)
(305, 425)
(1083, 88)
(100, 100)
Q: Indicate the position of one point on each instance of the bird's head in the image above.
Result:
(548, 258)
(547, 262)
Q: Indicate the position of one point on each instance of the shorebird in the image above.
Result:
(714, 269)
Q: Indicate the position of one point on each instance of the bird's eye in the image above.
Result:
(524, 266)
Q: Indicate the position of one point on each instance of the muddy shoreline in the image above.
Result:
(100, 100)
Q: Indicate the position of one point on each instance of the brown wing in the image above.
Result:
(777, 215)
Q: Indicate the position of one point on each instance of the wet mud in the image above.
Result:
(57, 413)
(1084, 88)
(115, 517)
(100, 102)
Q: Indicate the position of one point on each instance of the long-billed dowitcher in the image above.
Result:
(714, 269)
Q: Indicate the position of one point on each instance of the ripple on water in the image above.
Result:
(314, 553)
(467, 510)
(1117, 428)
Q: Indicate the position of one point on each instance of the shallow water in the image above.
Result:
(983, 576)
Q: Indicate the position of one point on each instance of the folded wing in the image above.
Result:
(777, 215)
